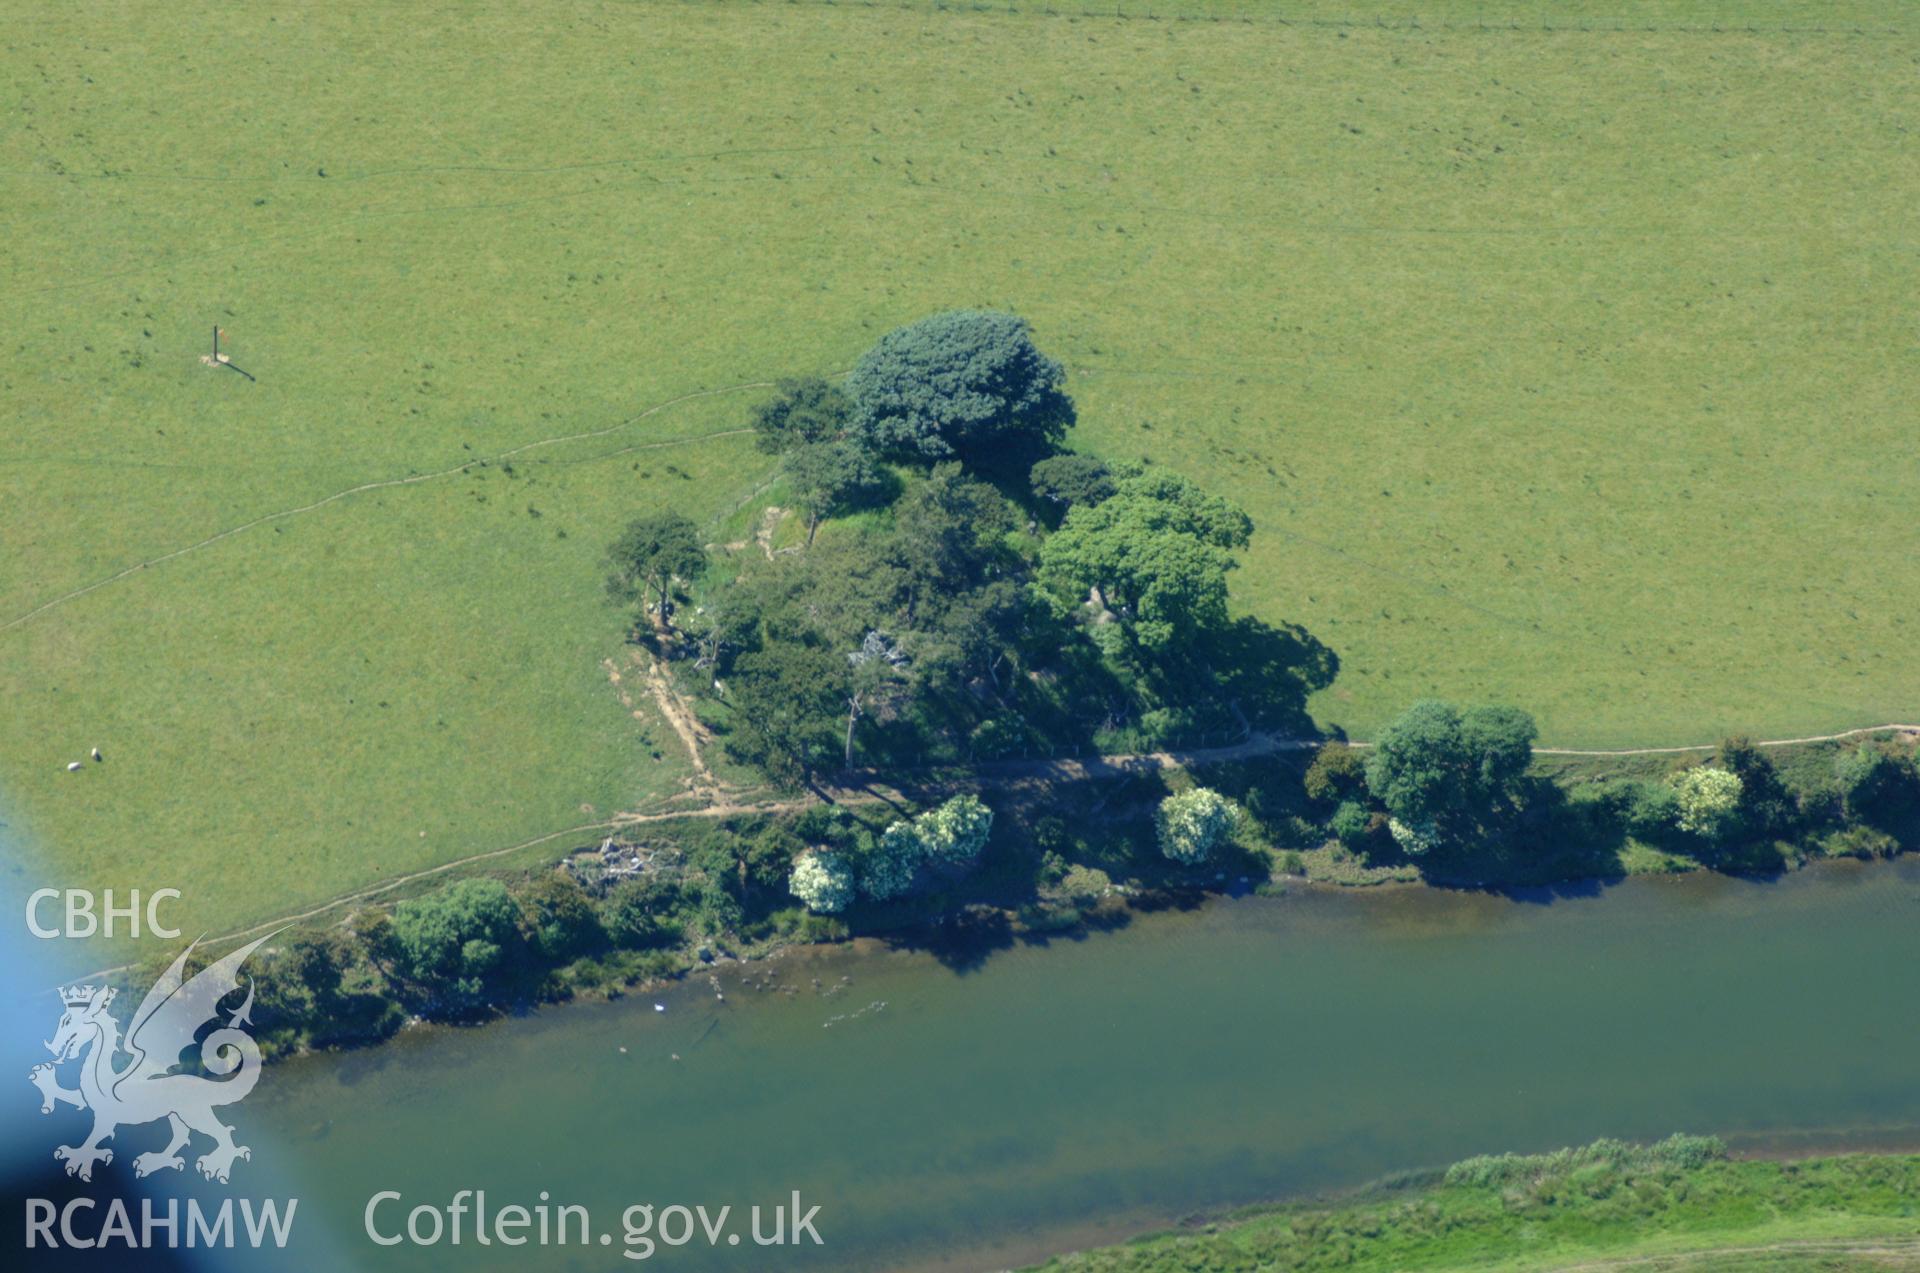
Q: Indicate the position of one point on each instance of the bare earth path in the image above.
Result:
(693, 735)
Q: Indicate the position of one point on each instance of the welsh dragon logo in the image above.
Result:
(145, 1089)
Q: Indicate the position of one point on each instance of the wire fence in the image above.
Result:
(1251, 14)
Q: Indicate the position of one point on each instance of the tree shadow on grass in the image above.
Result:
(1272, 671)
(1262, 673)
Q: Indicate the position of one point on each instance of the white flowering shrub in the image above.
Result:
(822, 880)
(1193, 823)
(1709, 799)
(954, 834)
(1415, 840)
(951, 835)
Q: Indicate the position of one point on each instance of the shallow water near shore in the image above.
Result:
(1056, 1096)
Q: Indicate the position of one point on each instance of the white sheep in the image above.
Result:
(74, 766)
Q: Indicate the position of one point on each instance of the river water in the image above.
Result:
(980, 1112)
(971, 1114)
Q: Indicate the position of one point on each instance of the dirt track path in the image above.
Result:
(693, 735)
(864, 788)
(1770, 742)
(1094, 767)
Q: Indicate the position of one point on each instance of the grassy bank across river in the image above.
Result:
(1678, 1204)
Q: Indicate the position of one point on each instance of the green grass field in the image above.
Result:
(1564, 367)
(1821, 1215)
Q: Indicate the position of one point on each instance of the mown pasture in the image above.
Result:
(1566, 367)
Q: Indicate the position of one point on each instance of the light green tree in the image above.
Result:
(453, 938)
(825, 477)
(950, 835)
(801, 413)
(1414, 838)
(888, 868)
(649, 555)
(1153, 557)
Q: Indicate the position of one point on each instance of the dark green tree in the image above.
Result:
(960, 383)
(1879, 787)
(1352, 825)
(318, 962)
(302, 984)
(1072, 480)
(649, 555)
(1767, 809)
(801, 411)
(826, 477)
(786, 701)
(715, 911)
(728, 623)
(1499, 742)
(558, 917)
(1338, 773)
(751, 866)
(643, 912)
(879, 679)
(1446, 775)
(948, 536)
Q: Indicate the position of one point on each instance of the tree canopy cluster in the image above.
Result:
(997, 597)
(1452, 791)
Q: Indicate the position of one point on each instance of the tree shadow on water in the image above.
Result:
(962, 942)
(1555, 847)
(967, 940)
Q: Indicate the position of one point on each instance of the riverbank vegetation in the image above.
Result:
(1679, 1204)
(965, 874)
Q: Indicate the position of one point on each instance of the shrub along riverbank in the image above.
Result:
(964, 876)
(1681, 1202)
